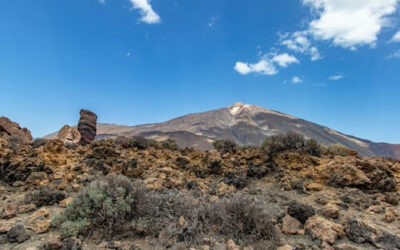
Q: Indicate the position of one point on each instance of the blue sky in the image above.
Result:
(333, 62)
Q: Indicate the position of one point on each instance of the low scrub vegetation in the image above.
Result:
(118, 205)
(225, 146)
(291, 141)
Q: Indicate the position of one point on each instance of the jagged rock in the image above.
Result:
(231, 245)
(64, 203)
(40, 226)
(330, 210)
(6, 225)
(323, 229)
(26, 208)
(69, 135)
(18, 234)
(360, 232)
(71, 244)
(290, 225)
(8, 211)
(300, 211)
(388, 241)
(10, 129)
(87, 127)
(44, 196)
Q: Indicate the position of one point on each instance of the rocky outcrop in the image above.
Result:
(87, 126)
(9, 129)
(69, 135)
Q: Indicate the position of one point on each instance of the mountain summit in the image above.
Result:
(245, 124)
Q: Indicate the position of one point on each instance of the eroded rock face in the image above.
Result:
(9, 128)
(69, 135)
(87, 126)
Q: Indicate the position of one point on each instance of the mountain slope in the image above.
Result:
(245, 124)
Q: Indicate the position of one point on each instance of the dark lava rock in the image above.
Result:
(12, 129)
(392, 198)
(300, 211)
(71, 244)
(87, 126)
(239, 182)
(44, 196)
(359, 232)
(18, 234)
(257, 171)
(388, 241)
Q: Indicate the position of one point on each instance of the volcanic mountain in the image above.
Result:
(245, 124)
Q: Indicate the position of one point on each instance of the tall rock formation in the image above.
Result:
(87, 126)
(9, 128)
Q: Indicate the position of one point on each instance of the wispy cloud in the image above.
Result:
(394, 55)
(267, 65)
(335, 77)
(212, 22)
(284, 59)
(148, 14)
(299, 42)
(263, 67)
(396, 37)
(296, 80)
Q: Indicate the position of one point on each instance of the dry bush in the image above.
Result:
(225, 146)
(291, 141)
(241, 218)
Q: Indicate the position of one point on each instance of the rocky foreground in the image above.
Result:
(131, 193)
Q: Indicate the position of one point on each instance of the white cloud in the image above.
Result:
(394, 55)
(335, 77)
(263, 67)
(350, 23)
(297, 79)
(284, 59)
(102, 1)
(148, 14)
(299, 42)
(396, 37)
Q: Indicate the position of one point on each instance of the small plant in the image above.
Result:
(243, 219)
(106, 206)
(338, 149)
(291, 141)
(39, 142)
(225, 146)
(169, 144)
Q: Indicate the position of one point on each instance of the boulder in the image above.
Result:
(69, 135)
(87, 127)
(323, 229)
(18, 234)
(10, 129)
(290, 225)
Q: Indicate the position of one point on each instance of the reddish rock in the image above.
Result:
(323, 229)
(69, 135)
(87, 127)
(9, 128)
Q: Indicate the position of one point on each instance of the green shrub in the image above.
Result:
(337, 149)
(39, 142)
(169, 144)
(225, 146)
(106, 206)
(291, 141)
